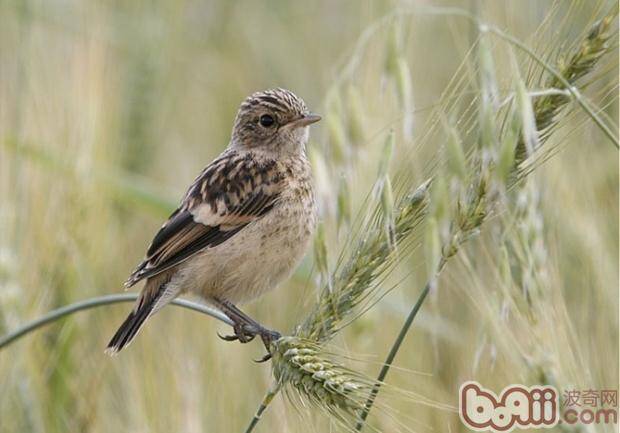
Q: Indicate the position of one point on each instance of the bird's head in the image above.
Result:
(273, 120)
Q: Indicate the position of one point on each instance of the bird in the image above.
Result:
(243, 225)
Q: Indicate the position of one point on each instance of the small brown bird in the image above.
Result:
(243, 225)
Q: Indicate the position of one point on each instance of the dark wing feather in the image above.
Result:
(228, 195)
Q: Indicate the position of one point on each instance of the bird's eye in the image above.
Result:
(266, 120)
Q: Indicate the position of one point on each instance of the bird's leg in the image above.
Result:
(240, 334)
(244, 327)
(247, 328)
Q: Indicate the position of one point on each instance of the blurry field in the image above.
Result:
(109, 109)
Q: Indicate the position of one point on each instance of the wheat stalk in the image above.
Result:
(303, 364)
(483, 191)
(299, 361)
(369, 259)
(580, 63)
(54, 315)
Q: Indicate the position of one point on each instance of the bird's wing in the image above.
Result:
(235, 190)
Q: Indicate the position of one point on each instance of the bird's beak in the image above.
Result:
(305, 120)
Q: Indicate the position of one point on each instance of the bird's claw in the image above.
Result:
(241, 334)
(228, 337)
(246, 329)
(265, 358)
(244, 336)
(268, 337)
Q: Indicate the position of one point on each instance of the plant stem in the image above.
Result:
(271, 393)
(393, 351)
(550, 69)
(67, 310)
(486, 27)
(577, 97)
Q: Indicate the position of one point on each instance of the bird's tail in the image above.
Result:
(146, 305)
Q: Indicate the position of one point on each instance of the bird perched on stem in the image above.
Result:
(242, 226)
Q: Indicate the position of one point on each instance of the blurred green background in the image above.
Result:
(109, 109)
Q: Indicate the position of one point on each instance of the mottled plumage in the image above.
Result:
(244, 223)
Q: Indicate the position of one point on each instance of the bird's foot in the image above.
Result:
(246, 329)
(241, 333)
(268, 336)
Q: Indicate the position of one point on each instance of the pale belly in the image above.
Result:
(254, 261)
